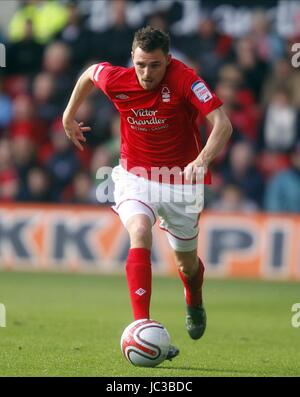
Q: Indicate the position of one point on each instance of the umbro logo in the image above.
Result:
(122, 96)
(140, 291)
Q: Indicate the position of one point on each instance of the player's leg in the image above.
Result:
(138, 265)
(191, 271)
(139, 227)
(180, 220)
(138, 269)
(138, 217)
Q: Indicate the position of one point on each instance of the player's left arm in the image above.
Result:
(219, 136)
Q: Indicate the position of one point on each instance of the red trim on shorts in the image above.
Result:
(114, 211)
(179, 238)
(146, 205)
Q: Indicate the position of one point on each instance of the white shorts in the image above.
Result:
(178, 207)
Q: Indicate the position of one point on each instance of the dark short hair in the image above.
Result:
(150, 39)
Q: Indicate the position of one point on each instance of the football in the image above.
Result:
(145, 343)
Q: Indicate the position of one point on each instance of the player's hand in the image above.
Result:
(194, 172)
(74, 132)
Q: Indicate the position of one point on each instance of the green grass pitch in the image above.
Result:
(70, 325)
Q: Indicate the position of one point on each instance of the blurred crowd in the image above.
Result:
(48, 46)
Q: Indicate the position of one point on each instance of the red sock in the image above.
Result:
(139, 278)
(193, 286)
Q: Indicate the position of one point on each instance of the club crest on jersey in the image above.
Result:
(165, 94)
(201, 91)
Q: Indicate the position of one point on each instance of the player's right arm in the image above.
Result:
(82, 89)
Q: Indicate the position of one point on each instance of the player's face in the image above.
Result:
(150, 67)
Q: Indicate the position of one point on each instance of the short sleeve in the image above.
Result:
(199, 94)
(101, 74)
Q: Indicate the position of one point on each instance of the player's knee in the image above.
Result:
(140, 237)
(187, 263)
(140, 234)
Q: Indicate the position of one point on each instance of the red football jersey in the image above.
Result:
(158, 127)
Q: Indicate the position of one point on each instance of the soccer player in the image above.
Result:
(159, 100)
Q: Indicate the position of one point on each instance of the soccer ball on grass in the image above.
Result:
(145, 343)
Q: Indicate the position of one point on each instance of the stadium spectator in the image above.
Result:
(83, 191)
(43, 91)
(119, 36)
(243, 172)
(102, 157)
(208, 48)
(37, 188)
(101, 119)
(230, 73)
(159, 20)
(282, 76)
(241, 108)
(86, 114)
(107, 154)
(270, 163)
(281, 125)
(254, 69)
(9, 181)
(268, 45)
(113, 144)
(232, 199)
(24, 155)
(283, 190)
(56, 62)
(25, 122)
(6, 108)
(62, 164)
(25, 55)
(77, 37)
(47, 18)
